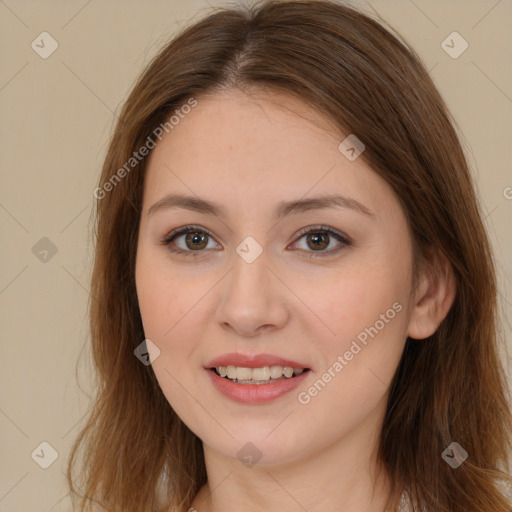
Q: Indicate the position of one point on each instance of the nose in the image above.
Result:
(253, 298)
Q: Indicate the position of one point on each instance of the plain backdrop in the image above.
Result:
(57, 114)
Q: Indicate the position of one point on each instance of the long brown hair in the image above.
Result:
(365, 78)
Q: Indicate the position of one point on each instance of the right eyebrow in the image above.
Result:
(283, 208)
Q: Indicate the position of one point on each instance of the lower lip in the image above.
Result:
(255, 393)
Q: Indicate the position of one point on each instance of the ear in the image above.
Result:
(432, 298)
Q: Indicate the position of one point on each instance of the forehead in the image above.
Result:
(258, 148)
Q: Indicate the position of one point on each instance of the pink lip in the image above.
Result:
(254, 361)
(255, 393)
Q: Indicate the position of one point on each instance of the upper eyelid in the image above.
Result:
(183, 231)
(301, 233)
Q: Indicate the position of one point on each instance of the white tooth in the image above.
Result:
(261, 373)
(276, 372)
(231, 371)
(243, 373)
(288, 371)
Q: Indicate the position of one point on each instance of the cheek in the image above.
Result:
(166, 310)
(365, 319)
(163, 307)
(162, 300)
(346, 302)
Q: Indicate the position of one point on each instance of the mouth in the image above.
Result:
(257, 376)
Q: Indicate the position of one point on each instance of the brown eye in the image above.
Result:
(195, 239)
(319, 238)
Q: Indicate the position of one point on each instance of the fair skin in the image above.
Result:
(248, 153)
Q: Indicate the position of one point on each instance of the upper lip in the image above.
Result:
(253, 361)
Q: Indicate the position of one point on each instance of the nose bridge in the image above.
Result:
(251, 296)
(250, 269)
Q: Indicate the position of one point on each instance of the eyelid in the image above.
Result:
(344, 240)
(182, 230)
(328, 229)
(341, 237)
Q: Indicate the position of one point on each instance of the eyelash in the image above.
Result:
(305, 231)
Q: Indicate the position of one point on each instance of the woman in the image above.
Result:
(294, 297)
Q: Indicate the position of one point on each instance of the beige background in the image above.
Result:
(57, 114)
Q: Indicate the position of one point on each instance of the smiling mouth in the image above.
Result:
(257, 376)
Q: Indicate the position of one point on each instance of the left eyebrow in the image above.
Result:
(319, 203)
(283, 208)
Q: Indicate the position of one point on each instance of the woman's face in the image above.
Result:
(250, 282)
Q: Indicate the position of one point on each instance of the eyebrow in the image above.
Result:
(283, 208)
